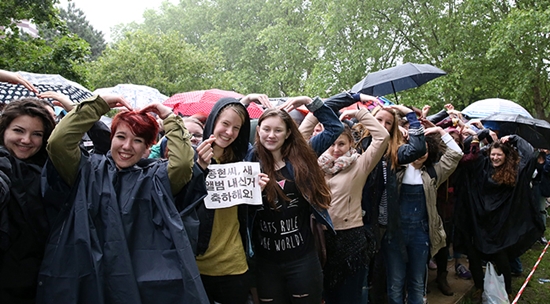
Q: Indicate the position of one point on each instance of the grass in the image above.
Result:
(535, 292)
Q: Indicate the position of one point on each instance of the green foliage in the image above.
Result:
(164, 61)
(42, 11)
(78, 24)
(62, 54)
(293, 47)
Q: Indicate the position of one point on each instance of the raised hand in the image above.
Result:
(295, 102)
(263, 179)
(161, 110)
(205, 152)
(115, 101)
(348, 114)
(15, 78)
(60, 100)
(425, 111)
(261, 99)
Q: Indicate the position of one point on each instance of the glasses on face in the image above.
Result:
(195, 135)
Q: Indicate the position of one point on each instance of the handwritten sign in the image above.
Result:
(233, 184)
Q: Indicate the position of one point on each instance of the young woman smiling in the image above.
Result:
(118, 236)
(25, 126)
(288, 265)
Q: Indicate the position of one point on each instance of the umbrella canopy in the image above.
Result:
(194, 102)
(535, 131)
(396, 79)
(486, 107)
(43, 83)
(138, 96)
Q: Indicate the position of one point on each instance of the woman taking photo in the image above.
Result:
(288, 265)
(25, 126)
(118, 236)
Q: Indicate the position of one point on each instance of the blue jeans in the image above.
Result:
(296, 281)
(408, 271)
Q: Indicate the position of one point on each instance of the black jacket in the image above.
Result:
(23, 227)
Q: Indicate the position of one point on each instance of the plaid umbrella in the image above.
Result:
(138, 96)
(194, 102)
(43, 83)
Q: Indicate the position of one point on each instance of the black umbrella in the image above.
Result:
(535, 131)
(43, 83)
(396, 79)
(10, 91)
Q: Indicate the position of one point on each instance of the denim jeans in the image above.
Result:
(296, 281)
(409, 271)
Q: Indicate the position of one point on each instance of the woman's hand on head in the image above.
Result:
(295, 102)
(161, 110)
(116, 101)
(205, 152)
(400, 108)
(263, 179)
(434, 130)
(261, 99)
(59, 99)
(348, 114)
(426, 123)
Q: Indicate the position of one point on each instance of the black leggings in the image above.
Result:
(501, 261)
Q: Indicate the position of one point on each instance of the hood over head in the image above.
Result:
(240, 145)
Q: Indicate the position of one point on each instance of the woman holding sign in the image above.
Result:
(289, 269)
(223, 238)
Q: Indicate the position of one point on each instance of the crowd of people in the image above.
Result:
(368, 197)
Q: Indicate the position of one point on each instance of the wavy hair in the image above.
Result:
(396, 137)
(32, 107)
(507, 173)
(309, 178)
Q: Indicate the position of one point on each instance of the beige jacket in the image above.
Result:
(444, 168)
(347, 185)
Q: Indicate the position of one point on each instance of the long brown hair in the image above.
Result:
(396, 138)
(506, 173)
(309, 178)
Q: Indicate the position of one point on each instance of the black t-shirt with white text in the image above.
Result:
(284, 234)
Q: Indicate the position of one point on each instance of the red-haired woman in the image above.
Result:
(118, 236)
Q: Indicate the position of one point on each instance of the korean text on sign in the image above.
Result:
(233, 184)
